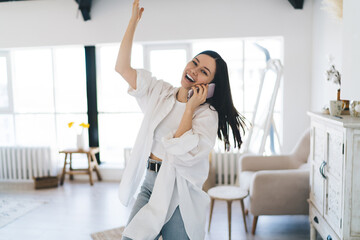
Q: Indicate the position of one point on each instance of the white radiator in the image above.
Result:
(24, 163)
(226, 166)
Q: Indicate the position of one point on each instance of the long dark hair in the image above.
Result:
(223, 104)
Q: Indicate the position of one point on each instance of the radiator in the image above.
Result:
(24, 163)
(226, 167)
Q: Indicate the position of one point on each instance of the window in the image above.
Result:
(7, 137)
(69, 94)
(33, 81)
(245, 62)
(167, 61)
(5, 104)
(48, 90)
(119, 115)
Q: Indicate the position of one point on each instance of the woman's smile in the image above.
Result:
(188, 77)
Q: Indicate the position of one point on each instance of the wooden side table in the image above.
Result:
(92, 164)
(229, 194)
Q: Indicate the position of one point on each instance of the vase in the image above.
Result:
(353, 112)
(80, 140)
(347, 102)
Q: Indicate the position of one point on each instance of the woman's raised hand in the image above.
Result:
(199, 96)
(136, 11)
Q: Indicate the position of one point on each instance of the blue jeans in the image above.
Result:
(174, 229)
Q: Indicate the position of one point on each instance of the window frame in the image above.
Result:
(148, 47)
(10, 108)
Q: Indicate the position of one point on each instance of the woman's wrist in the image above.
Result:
(189, 109)
(133, 22)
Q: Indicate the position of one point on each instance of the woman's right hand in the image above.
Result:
(136, 11)
(199, 96)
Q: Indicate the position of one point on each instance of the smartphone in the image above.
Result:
(211, 90)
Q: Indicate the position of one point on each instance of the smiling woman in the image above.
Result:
(174, 141)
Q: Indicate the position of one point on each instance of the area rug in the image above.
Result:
(13, 208)
(112, 234)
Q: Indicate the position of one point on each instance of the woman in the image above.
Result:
(174, 141)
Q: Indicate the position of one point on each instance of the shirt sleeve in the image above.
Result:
(145, 84)
(195, 143)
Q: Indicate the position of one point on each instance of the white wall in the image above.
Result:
(53, 22)
(327, 39)
(350, 86)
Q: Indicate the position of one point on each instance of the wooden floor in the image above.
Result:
(76, 209)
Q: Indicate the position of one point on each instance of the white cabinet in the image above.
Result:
(335, 177)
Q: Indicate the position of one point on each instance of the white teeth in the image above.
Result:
(190, 78)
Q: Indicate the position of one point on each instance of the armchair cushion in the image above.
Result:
(257, 163)
(279, 192)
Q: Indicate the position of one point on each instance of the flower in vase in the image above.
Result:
(82, 125)
(80, 139)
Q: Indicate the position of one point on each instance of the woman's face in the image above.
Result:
(200, 70)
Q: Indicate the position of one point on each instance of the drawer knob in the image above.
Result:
(316, 220)
(329, 237)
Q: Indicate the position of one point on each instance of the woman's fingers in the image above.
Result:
(137, 13)
(195, 90)
(206, 88)
(202, 88)
(200, 91)
(199, 96)
(141, 12)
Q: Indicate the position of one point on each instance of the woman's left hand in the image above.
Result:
(199, 96)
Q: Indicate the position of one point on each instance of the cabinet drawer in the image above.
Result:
(322, 227)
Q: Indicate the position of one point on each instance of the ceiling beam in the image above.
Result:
(297, 4)
(84, 7)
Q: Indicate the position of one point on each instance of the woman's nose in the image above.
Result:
(194, 71)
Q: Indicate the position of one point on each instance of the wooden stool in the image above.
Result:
(229, 194)
(92, 164)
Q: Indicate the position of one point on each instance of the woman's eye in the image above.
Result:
(195, 63)
(204, 72)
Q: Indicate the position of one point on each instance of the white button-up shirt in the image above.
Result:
(183, 171)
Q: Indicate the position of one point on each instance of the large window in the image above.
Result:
(120, 117)
(245, 63)
(43, 89)
(46, 90)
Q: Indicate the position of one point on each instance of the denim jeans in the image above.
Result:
(174, 229)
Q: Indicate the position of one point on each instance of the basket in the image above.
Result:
(46, 182)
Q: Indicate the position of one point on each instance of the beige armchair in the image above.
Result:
(278, 185)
